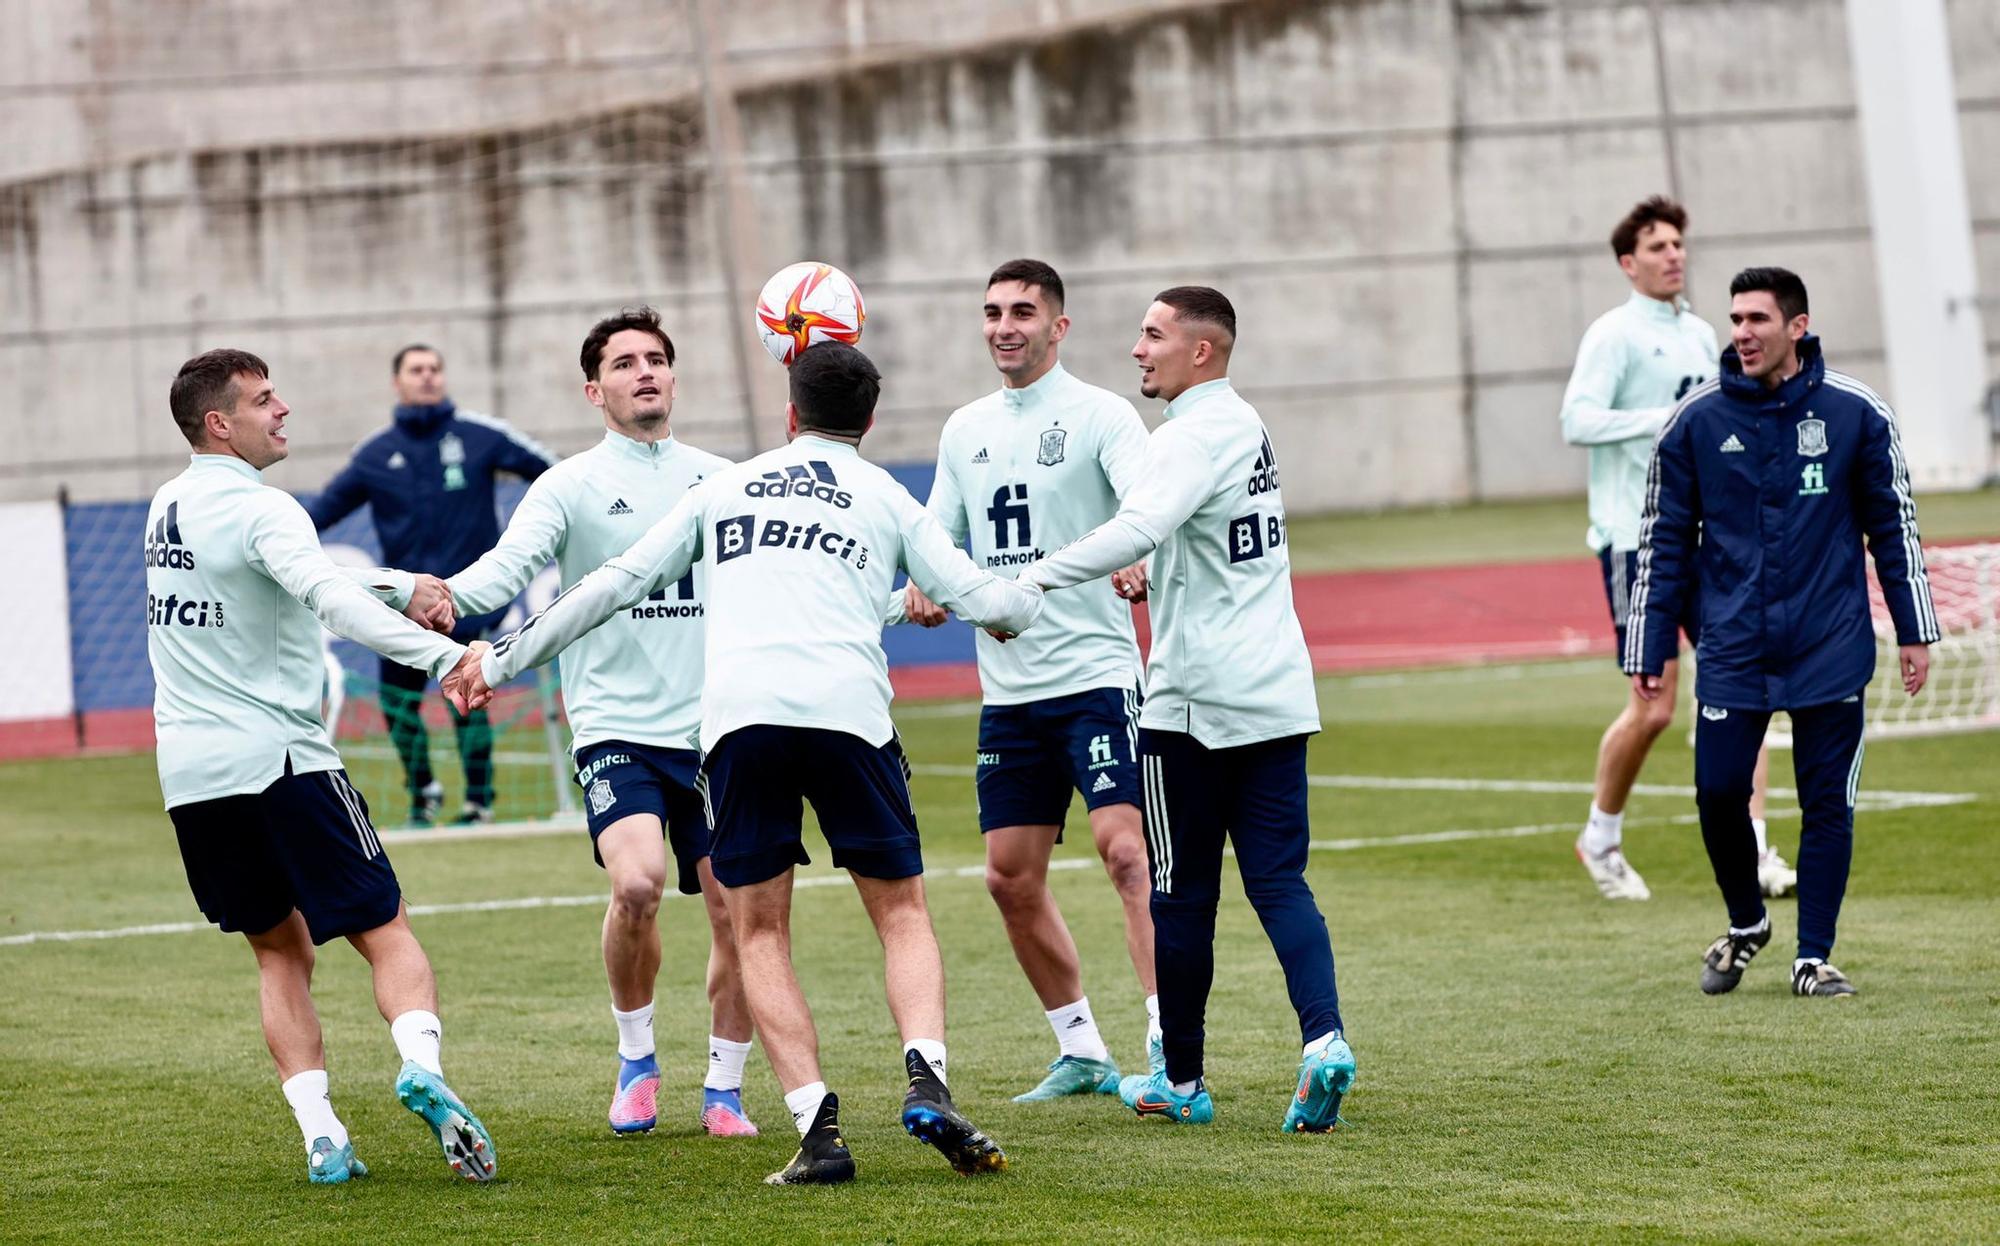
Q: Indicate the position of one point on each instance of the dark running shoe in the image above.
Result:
(929, 1116)
(1816, 977)
(823, 1157)
(1722, 965)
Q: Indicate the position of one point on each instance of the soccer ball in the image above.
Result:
(805, 303)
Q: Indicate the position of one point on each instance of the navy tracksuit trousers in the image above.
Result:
(1826, 759)
(1198, 799)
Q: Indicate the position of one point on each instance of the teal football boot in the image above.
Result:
(1151, 1094)
(1325, 1077)
(1074, 1075)
(467, 1147)
(327, 1164)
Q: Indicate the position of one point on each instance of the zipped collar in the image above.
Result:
(639, 451)
(1194, 394)
(1794, 389)
(1041, 391)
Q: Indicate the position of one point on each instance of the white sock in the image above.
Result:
(1763, 839)
(1187, 1088)
(1603, 832)
(1321, 1043)
(1076, 1031)
(1759, 928)
(804, 1104)
(313, 1108)
(932, 1050)
(1152, 1018)
(725, 1064)
(635, 1031)
(1797, 965)
(418, 1035)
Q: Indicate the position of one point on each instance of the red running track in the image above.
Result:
(1354, 621)
(1430, 616)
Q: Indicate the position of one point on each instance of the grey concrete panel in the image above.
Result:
(1552, 189)
(1557, 64)
(1974, 30)
(1839, 276)
(1521, 450)
(1363, 452)
(1529, 314)
(1725, 57)
(1774, 176)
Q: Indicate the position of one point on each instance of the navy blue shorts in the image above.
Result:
(1620, 570)
(304, 843)
(620, 779)
(758, 778)
(1032, 755)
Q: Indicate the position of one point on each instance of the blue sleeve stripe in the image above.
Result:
(1642, 583)
(1906, 509)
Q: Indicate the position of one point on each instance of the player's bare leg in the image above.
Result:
(760, 917)
(1620, 755)
(913, 973)
(406, 993)
(1017, 877)
(729, 1023)
(1121, 844)
(635, 862)
(285, 958)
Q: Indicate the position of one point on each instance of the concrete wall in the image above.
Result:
(1407, 200)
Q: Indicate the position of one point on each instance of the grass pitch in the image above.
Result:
(1535, 1063)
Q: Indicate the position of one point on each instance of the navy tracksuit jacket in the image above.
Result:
(1758, 501)
(427, 479)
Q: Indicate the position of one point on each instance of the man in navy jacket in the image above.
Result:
(1763, 486)
(427, 479)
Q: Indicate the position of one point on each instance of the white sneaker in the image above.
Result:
(1773, 875)
(1615, 879)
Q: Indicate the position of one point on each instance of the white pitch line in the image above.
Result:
(963, 871)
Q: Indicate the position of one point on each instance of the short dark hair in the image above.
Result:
(1649, 211)
(644, 319)
(1031, 273)
(396, 368)
(1783, 283)
(834, 388)
(1201, 303)
(207, 383)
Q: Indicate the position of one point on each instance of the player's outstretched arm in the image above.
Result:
(1668, 531)
(533, 537)
(660, 557)
(945, 574)
(279, 541)
(1177, 478)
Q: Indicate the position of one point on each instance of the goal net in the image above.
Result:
(1963, 691)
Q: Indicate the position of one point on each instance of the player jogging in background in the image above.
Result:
(428, 482)
(1636, 361)
(1026, 469)
(1229, 705)
(632, 690)
(277, 844)
(802, 545)
(1768, 540)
